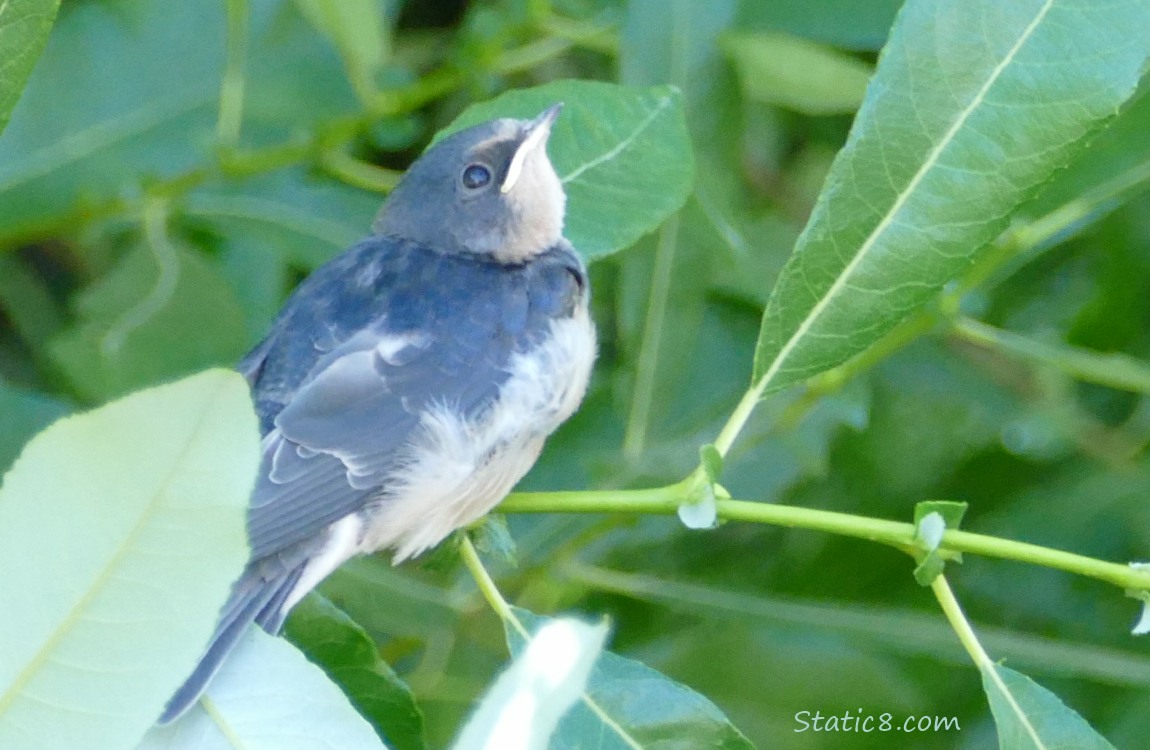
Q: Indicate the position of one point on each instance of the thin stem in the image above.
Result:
(232, 85)
(1111, 370)
(359, 173)
(958, 621)
(666, 500)
(642, 397)
(586, 34)
(487, 585)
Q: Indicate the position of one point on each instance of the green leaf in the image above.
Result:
(935, 164)
(356, 29)
(304, 221)
(623, 154)
(24, 27)
(524, 706)
(854, 24)
(76, 136)
(711, 461)
(493, 539)
(628, 705)
(267, 696)
(22, 415)
(940, 516)
(337, 644)
(951, 511)
(664, 279)
(162, 312)
(672, 42)
(121, 531)
(797, 74)
(100, 114)
(1030, 717)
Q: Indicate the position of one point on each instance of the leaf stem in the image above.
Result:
(233, 82)
(958, 621)
(642, 397)
(1111, 370)
(487, 585)
(898, 534)
(360, 174)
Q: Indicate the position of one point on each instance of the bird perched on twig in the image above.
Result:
(409, 383)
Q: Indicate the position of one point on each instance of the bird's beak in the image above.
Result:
(535, 134)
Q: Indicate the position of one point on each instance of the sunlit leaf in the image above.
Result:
(524, 706)
(23, 413)
(267, 696)
(121, 531)
(628, 705)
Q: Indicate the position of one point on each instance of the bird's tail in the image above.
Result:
(254, 598)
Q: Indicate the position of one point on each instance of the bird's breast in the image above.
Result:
(457, 468)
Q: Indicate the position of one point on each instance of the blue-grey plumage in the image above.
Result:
(409, 383)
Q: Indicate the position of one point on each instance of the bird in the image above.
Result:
(410, 382)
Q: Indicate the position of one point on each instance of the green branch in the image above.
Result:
(901, 535)
(1111, 370)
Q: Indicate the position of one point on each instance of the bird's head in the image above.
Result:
(488, 190)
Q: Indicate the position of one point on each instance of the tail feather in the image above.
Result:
(254, 599)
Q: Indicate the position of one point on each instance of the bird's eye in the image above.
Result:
(476, 176)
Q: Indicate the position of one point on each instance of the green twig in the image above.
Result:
(1111, 370)
(359, 173)
(587, 34)
(643, 394)
(901, 535)
(487, 585)
(958, 621)
(232, 84)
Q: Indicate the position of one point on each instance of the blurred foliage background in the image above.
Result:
(123, 110)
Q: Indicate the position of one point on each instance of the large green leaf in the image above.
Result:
(628, 706)
(267, 696)
(1030, 717)
(24, 26)
(342, 648)
(121, 531)
(623, 154)
(974, 105)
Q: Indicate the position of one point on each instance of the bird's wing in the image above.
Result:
(334, 444)
(334, 434)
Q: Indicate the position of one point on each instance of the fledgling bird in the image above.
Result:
(409, 383)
